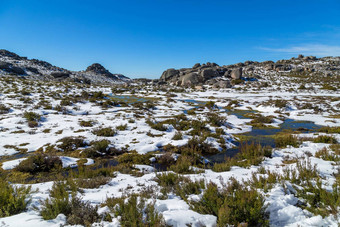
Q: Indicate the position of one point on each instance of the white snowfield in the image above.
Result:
(281, 203)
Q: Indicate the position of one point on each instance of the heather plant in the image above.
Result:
(13, 199)
(39, 163)
(233, 205)
(105, 132)
(282, 141)
(64, 201)
(133, 211)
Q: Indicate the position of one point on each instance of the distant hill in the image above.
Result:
(13, 64)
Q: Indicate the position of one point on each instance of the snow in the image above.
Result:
(176, 212)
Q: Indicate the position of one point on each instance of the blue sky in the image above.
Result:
(143, 38)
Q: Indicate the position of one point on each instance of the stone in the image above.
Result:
(169, 73)
(191, 79)
(224, 84)
(197, 65)
(236, 73)
(208, 73)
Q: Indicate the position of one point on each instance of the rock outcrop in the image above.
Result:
(13, 64)
(222, 76)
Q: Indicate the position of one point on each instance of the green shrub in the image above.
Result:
(134, 212)
(191, 111)
(215, 120)
(4, 109)
(262, 119)
(39, 163)
(252, 154)
(223, 166)
(121, 127)
(242, 205)
(61, 202)
(156, 125)
(167, 179)
(94, 182)
(249, 154)
(211, 201)
(182, 165)
(280, 103)
(106, 132)
(325, 154)
(101, 145)
(135, 158)
(71, 143)
(177, 136)
(210, 104)
(233, 205)
(66, 102)
(320, 201)
(13, 200)
(325, 139)
(335, 148)
(281, 141)
(31, 116)
(98, 95)
(328, 129)
(83, 123)
(328, 87)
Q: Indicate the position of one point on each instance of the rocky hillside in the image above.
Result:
(13, 64)
(224, 76)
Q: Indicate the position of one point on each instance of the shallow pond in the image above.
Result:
(264, 136)
(130, 99)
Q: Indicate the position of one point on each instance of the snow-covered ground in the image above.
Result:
(17, 138)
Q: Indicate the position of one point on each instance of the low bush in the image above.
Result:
(4, 109)
(325, 154)
(280, 103)
(325, 139)
(71, 143)
(328, 129)
(233, 205)
(94, 182)
(105, 132)
(156, 125)
(63, 202)
(183, 165)
(135, 158)
(13, 200)
(133, 211)
(215, 120)
(177, 136)
(83, 123)
(282, 141)
(121, 127)
(31, 116)
(39, 163)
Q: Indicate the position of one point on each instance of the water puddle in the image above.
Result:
(264, 136)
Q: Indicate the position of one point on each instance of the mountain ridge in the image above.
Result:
(13, 64)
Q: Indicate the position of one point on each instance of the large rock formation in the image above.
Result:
(221, 76)
(13, 64)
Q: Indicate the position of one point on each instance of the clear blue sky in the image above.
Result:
(143, 38)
